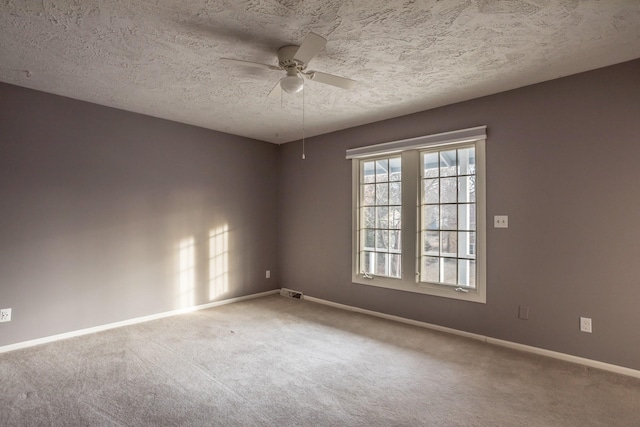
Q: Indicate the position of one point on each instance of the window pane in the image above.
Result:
(448, 190)
(395, 265)
(368, 197)
(395, 169)
(394, 241)
(467, 161)
(368, 172)
(467, 189)
(431, 242)
(466, 244)
(382, 264)
(395, 217)
(395, 193)
(430, 165)
(431, 191)
(382, 194)
(382, 217)
(382, 170)
(382, 240)
(449, 243)
(430, 271)
(467, 217)
(369, 239)
(448, 217)
(367, 262)
(449, 268)
(448, 166)
(369, 217)
(431, 217)
(467, 273)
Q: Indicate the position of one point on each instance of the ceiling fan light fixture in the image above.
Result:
(291, 84)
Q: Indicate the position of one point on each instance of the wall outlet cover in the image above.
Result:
(523, 312)
(585, 324)
(5, 315)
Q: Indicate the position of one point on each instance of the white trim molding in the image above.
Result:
(92, 330)
(444, 138)
(494, 341)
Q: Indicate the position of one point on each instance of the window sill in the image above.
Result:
(426, 289)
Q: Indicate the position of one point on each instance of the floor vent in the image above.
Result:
(290, 293)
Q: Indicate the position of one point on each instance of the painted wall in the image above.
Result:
(563, 161)
(107, 215)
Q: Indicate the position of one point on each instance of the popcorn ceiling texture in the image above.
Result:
(160, 57)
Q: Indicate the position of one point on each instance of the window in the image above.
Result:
(448, 217)
(419, 215)
(380, 217)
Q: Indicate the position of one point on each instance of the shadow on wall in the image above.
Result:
(218, 267)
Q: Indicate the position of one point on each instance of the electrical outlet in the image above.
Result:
(585, 324)
(5, 315)
(268, 274)
(523, 312)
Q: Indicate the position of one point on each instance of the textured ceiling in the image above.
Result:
(161, 57)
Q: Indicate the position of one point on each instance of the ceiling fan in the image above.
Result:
(293, 60)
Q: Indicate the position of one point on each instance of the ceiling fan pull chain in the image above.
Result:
(303, 91)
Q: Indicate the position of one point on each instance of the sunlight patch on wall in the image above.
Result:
(187, 272)
(218, 262)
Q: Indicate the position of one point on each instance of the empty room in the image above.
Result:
(301, 213)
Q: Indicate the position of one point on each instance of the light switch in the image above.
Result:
(500, 221)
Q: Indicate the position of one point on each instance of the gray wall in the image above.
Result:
(563, 161)
(95, 201)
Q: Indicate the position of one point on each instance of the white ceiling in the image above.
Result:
(161, 57)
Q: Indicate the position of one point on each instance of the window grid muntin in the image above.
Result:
(387, 213)
(456, 259)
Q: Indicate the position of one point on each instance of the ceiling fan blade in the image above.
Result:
(276, 92)
(330, 79)
(310, 47)
(249, 64)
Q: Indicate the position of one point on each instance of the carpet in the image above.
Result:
(276, 361)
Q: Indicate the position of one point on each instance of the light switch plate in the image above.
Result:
(500, 221)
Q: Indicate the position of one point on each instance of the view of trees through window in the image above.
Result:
(448, 217)
(380, 217)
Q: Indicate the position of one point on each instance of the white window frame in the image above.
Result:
(409, 150)
(376, 228)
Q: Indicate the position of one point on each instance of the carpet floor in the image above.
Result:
(276, 361)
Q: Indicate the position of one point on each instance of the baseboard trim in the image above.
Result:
(92, 330)
(502, 343)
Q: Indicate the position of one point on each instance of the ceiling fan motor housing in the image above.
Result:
(286, 58)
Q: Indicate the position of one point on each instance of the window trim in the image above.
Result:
(427, 141)
(410, 152)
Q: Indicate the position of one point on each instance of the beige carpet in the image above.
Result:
(275, 361)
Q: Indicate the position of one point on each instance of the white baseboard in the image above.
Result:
(58, 337)
(521, 347)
